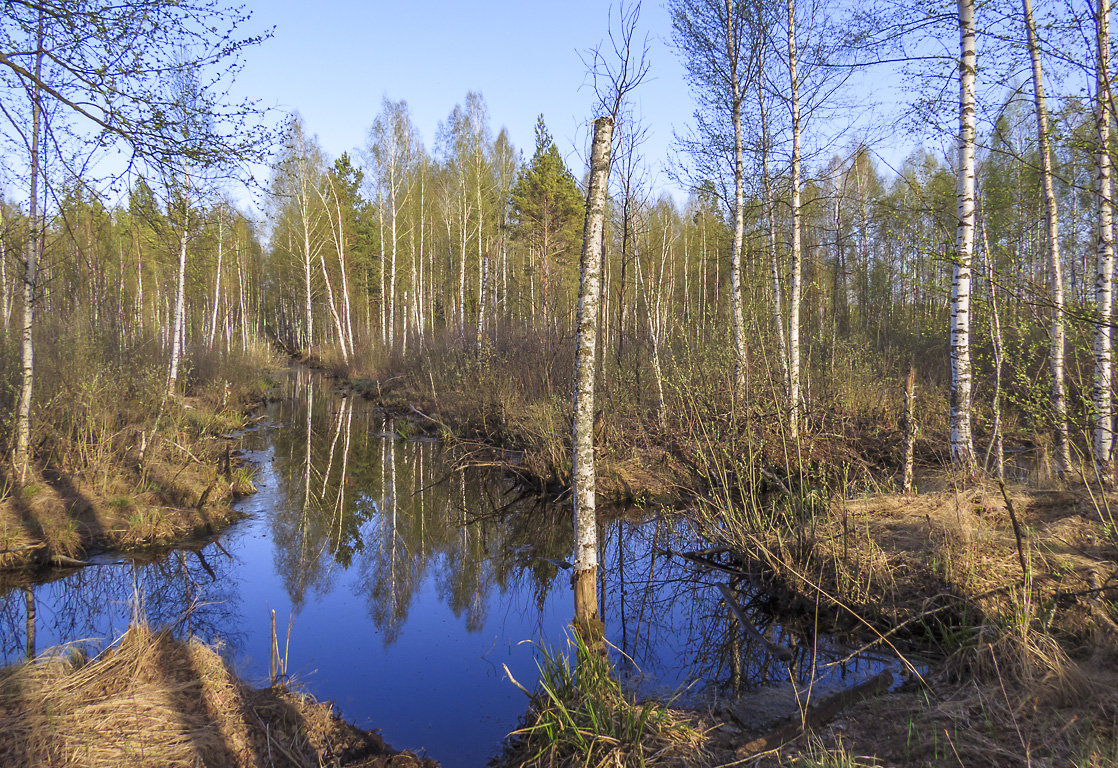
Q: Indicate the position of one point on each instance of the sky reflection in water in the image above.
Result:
(408, 585)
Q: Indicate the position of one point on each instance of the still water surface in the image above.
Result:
(408, 584)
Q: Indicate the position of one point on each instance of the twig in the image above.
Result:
(514, 681)
(779, 651)
(1016, 532)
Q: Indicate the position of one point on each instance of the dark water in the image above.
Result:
(407, 585)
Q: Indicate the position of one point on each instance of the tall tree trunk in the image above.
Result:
(1055, 269)
(241, 301)
(733, 51)
(653, 337)
(308, 307)
(587, 621)
(393, 212)
(909, 430)
(794, 396)
(22, 456)
(482, 254)
(338, 327)
(962, 442)
(5, 296)
(381, 295)
(770, 222)
(217, 281)
(180, 306)
(1104, 246)
(345, 273)
(997, 443)
(462, 267)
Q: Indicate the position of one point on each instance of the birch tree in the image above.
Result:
(392, 146)
(107, 66)
(1103, 437)
(962, 442)
(796, 247)
(714, 38)
(297, 178)
(1055, 269)
(587, 620)
(623, 69)
(22, 454)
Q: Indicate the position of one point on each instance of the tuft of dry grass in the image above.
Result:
(151, 700)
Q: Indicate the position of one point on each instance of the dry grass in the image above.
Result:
(155, 701)
(116, 467)
(1022, 665)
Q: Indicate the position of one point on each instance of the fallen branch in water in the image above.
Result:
(65, 561)
(785, 654)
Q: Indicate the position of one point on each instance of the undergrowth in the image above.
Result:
(581, 716)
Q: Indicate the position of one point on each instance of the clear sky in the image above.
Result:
(334, 60)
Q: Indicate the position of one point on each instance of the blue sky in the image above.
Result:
(334, 60)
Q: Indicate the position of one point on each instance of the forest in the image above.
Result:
(866, 409)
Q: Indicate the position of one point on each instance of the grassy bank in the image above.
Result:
(151, 700)
(1014, 629)
(116, 465)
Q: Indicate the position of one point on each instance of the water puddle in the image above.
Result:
(408, 585)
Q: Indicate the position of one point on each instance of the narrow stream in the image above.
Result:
(407, 585)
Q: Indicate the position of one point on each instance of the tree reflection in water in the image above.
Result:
(357, 531)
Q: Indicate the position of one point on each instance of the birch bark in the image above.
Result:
(217, 281)
(587, 619)
(797, 267)
(1055, 269)
(1104, 256)
(22, 454)
(962, 442)
(179, 309)
(733, 56)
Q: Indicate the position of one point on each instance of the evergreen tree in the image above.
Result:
(547, 208)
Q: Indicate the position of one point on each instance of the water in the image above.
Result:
(407, 585)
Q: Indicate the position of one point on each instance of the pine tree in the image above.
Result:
(547, 208)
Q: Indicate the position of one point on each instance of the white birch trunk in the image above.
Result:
(652, 316)
(308, 308)
(180, 307)
(797, 266)
(587, 620)
(909, 431)
(482, 259)
(217, 282)
(381, 295)
(22, 455)
(345, 331)
(770, 222)
(5, 296)
(962, 442)
(241, 302)
(733, 51)
(338, 327)
(1055, 269)
(393, 213)
(1104, 246)
(997, 443)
